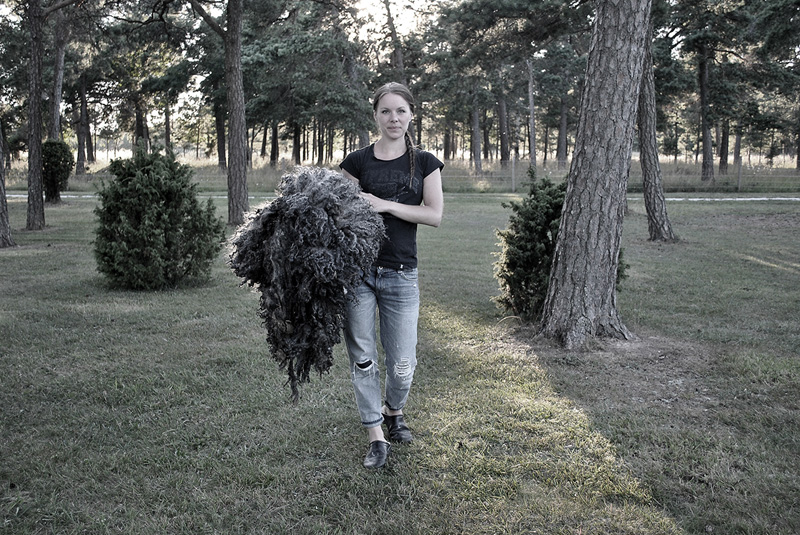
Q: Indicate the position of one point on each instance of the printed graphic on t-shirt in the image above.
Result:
(391, 184)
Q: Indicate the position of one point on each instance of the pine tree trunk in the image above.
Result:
(82, 128)
(705, 118)
(658, 223)
(561, 148)
(724, 147)
(5, 226)
(502, 117)
(263, 152)
(476, 133)
(167, 127)
(238, 203)
(297, 138)
(531, 111)
(581, 296)
(35, 219)
(274, 147)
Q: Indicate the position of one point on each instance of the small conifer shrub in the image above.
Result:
(527, 245)
(153, 233)
(57, 164)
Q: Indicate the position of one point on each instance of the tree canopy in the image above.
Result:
(485, 73)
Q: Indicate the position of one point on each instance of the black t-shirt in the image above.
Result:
(389, 179)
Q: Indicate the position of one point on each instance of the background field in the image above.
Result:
(162, 413)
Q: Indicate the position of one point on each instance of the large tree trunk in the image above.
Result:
(531, 116)
(658, 224)
(581, 297)
(238, 203)
(5, 226)
(705, 117)
(561, 148)
(35, 220)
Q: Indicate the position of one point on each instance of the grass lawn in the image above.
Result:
(161, 412)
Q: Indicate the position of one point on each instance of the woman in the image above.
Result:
(404, 185)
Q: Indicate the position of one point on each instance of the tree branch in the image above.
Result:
(56, 7)
(208, 18)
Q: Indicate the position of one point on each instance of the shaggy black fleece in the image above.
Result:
(306, 251)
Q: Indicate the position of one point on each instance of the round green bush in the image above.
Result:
(153, 233)
(57, 164)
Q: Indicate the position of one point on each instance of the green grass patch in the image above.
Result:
(161, 412)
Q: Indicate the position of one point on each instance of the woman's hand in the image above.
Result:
(378, 204)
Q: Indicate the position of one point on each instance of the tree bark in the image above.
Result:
(35, 219)
(238, 202)
(658, 223)
(5, 226)
(581, 296)
(705, 117)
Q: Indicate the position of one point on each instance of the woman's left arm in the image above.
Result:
(428, 213)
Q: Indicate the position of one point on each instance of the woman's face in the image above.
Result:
(393, 114)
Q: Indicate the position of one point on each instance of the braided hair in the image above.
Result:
(402, 91)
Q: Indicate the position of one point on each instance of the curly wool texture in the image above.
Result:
(306, 251)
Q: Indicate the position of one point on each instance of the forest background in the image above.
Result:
(492, 79)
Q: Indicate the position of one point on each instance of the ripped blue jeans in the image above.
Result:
(394, 294)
